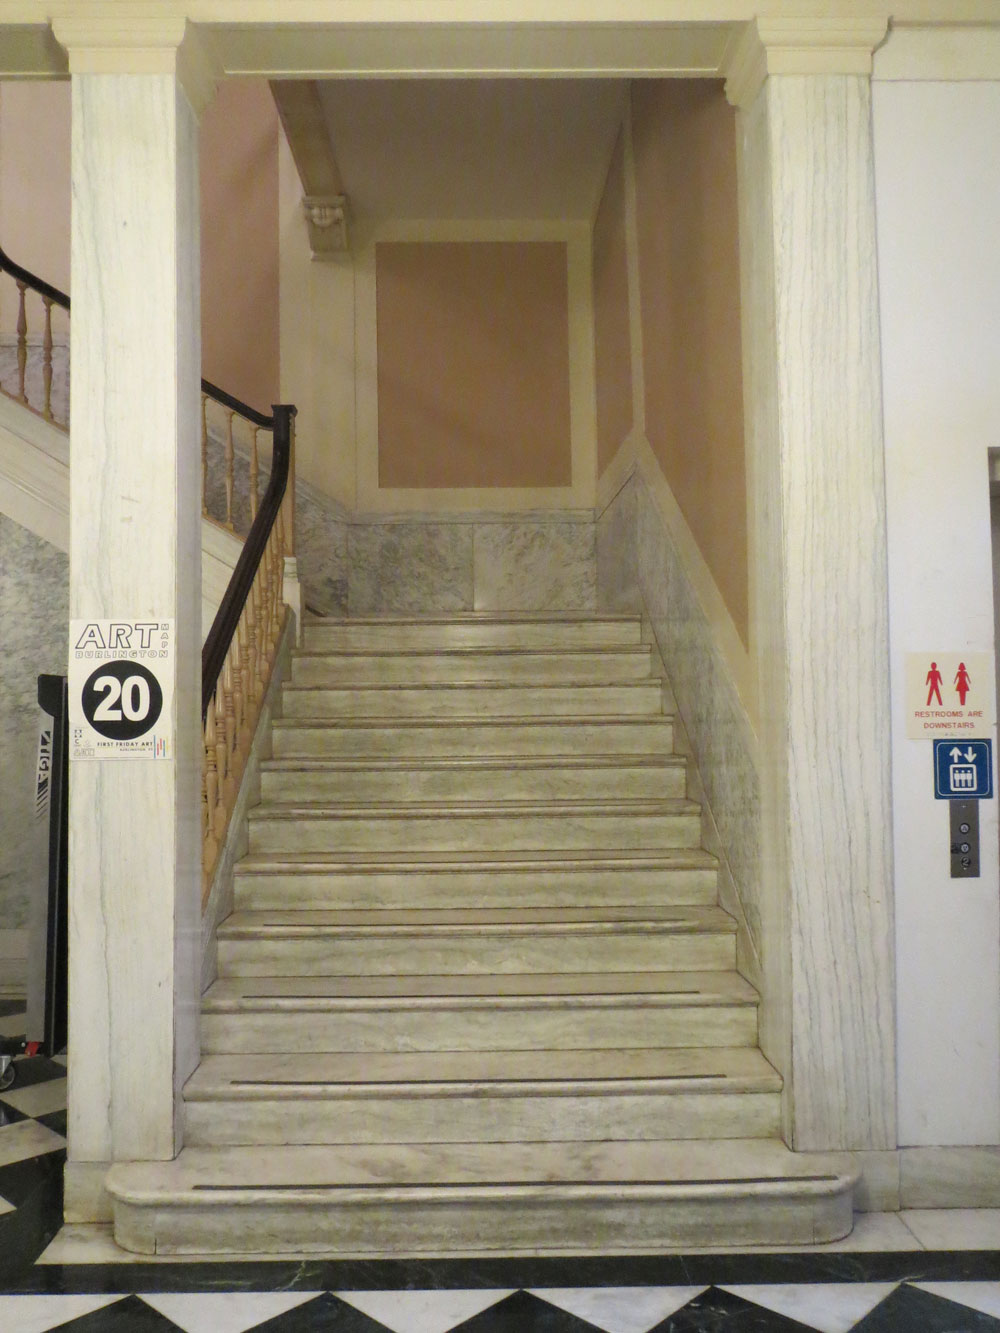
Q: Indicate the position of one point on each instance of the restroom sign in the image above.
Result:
(949, 695)
(963, 770)
(121, 675)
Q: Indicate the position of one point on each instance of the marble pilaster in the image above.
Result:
(819, 597)
(135, 839)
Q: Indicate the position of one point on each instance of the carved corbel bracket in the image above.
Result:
(326, 220)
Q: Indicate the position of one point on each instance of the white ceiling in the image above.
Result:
(492, 149)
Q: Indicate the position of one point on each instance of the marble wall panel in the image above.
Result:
(34, 583)
(617, 574)
(409, 567)
(523, 566)
(639, 565)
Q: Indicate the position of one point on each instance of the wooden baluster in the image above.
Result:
(230, 467)
(22, 342)
(254, 474)
(204, 453)
(229, 732)
(211, 849)
(250, 646)
(221, 756)
(241, 700)
(47, 359)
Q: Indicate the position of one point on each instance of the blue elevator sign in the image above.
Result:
(963, 770)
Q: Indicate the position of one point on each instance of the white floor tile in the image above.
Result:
(955, 1228)
(27, 1139)
(12, 1025)
(5, 1207)
(225, 1312)
(38, 1098)
(619, 1309)
(830, 1307)
(422, 1311)
(36, 1314)
(981, 1296)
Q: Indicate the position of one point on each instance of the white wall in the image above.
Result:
(937, 162)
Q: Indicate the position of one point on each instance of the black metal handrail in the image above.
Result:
(59, 298)
(227, 619)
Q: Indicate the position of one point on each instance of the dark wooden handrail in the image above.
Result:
(220, 636)
(59, 298)
(36, 284)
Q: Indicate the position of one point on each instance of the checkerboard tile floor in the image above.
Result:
(906, 1287)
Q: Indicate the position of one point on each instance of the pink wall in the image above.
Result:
(684, 133)
(473, 364)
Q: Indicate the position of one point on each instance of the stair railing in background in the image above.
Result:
(239, 653)
(34, 371)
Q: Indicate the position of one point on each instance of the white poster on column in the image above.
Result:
(121, 689)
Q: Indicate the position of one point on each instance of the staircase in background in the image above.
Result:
(476, 994)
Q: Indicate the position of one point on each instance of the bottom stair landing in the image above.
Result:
(472, 1199)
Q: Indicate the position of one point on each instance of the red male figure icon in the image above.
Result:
(934, 680)
(962, 683)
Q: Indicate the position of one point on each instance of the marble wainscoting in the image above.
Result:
(639, 568)
(472, 562)
(33, 612)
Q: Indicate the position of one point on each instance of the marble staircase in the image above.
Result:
(477, 993)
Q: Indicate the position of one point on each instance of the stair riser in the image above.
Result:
(460, 784)
(487, 833)
(292, 891)
(430, 636)
(525, 1222)
(470, 740)
(476, 954)
(642, 698)
(573, 1026)
(457, 1119)
(404, 669)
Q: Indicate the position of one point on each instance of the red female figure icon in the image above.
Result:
(934, 681)
(962, 683)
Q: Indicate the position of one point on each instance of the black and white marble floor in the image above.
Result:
(912, 1272)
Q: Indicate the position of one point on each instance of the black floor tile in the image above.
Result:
(32, 1069)
(715, 1311)
(524, 1313)
(9, 1115)
(316, 1316)
(55, 1120)
(909, 1309)
(19, 1180)
(131, 1315)
(35, 1187)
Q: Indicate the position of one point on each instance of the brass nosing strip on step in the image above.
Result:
(598, 1188)
(272, 1006)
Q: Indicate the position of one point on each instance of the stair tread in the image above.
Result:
(477, 618)
(444, 763)
(371, 722)
(197, 1173)
(537, 862)
(670, 805)
(474, 920)
(668, 988)
(479, 650)
(724, 1069)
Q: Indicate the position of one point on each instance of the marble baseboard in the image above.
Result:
(33, 611)
(967, 1177)
(436, 564)
(639, 566)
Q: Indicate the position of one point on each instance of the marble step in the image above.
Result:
(529, 778)
(475, 826)
(403, 738)
(457, 666)
(481, 1096)
(540, 879)
(636, 698)
(474, 1199)
(426, 633)
(458, 1012)
(475, 940)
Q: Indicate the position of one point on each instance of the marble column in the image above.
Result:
(818, 553)
(135, 840)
